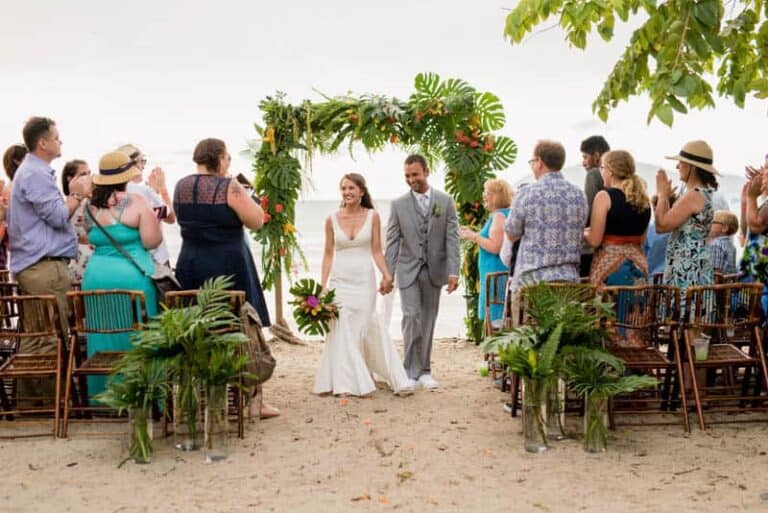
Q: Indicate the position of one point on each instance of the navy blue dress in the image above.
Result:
(213, 240)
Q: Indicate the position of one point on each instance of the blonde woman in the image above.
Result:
(618, 224)
(497, 196)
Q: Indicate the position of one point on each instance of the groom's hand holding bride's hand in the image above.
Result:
(386, 286)
(453, 284)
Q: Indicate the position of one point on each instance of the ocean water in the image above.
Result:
(310, 219)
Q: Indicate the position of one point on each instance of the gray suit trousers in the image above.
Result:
(420, 301)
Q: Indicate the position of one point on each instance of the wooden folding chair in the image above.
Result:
(731, 379)
(30, 317)
(495, 295)
(644, 335)
(8, 321)
(721, 278)
(97, 312)
(235, 396)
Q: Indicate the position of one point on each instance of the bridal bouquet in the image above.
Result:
(312, 310)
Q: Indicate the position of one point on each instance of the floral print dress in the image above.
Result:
(687, 258)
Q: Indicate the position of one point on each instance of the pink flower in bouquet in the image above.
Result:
(313, 302)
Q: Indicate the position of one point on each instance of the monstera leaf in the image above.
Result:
(491, 111)
(504, 154)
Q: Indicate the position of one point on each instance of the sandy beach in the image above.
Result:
(449, 450)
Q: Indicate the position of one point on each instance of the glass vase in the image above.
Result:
(595, 424)
(186, 415)
(534, 427)
(555, 409)
(216, 423)
(139, 439)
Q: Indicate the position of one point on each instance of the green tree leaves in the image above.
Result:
(679, 49)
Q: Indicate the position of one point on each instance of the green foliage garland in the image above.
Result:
(448, 121)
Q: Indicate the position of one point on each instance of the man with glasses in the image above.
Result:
(548, 218)
(42, 240)
(156, 192)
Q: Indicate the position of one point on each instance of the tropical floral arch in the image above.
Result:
(447, 121)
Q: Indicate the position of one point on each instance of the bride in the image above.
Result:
(358, 348)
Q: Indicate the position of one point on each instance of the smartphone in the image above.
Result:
(243, 180)
(161, 212)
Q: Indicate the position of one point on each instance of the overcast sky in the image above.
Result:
(163, 75)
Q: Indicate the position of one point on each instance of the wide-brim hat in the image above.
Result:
(696, 153)
(116, 167)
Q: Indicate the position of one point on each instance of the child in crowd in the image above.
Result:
(722, 252)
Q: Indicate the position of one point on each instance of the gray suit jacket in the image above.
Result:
(404, 240)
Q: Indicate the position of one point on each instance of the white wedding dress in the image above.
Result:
(358, 349)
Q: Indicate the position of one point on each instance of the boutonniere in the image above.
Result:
(436, 210)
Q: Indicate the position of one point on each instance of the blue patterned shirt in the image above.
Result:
(722, 254)
(548, 217)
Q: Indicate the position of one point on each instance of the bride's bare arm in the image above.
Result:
(378, 254)
(327, 254)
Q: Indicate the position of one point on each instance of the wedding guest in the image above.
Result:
(497, 196)
(41, 239)
(118, 221)
(655, 244)
(154, 191)
(722, 252)
(620, 216)
(212, 209)
(11, 161)
(689, 220)
(72, 170)
(592, 150)
(548, 217)
(754, 262)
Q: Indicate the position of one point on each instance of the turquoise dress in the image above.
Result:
(490, 263)
(109, 269)
(687, 256)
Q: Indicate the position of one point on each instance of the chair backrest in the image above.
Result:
(106, 311)
(726, 278)
(495, 288)
(724, 306)
(26, 317)
(5, 275)
(183, 298)
(640, 311)
(582, 292)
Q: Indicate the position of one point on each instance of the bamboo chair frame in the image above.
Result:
(235, 396)
(719, 309)
(648, 315)
(495, 294)
(100, 363)
(17, 315)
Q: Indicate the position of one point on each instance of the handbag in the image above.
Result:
(163, 277)
(261, 363)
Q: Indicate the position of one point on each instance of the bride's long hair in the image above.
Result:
(359, 180)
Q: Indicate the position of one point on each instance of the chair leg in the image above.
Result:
(680, 385)
(515, 391)
(57, 399)
(67, 393)
(694, 383)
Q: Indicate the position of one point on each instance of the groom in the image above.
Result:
(423, 252)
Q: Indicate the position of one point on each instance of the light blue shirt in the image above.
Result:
(655, 249)
(38, 217)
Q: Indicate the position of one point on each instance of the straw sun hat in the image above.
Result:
(115, 167)
(696, 153)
